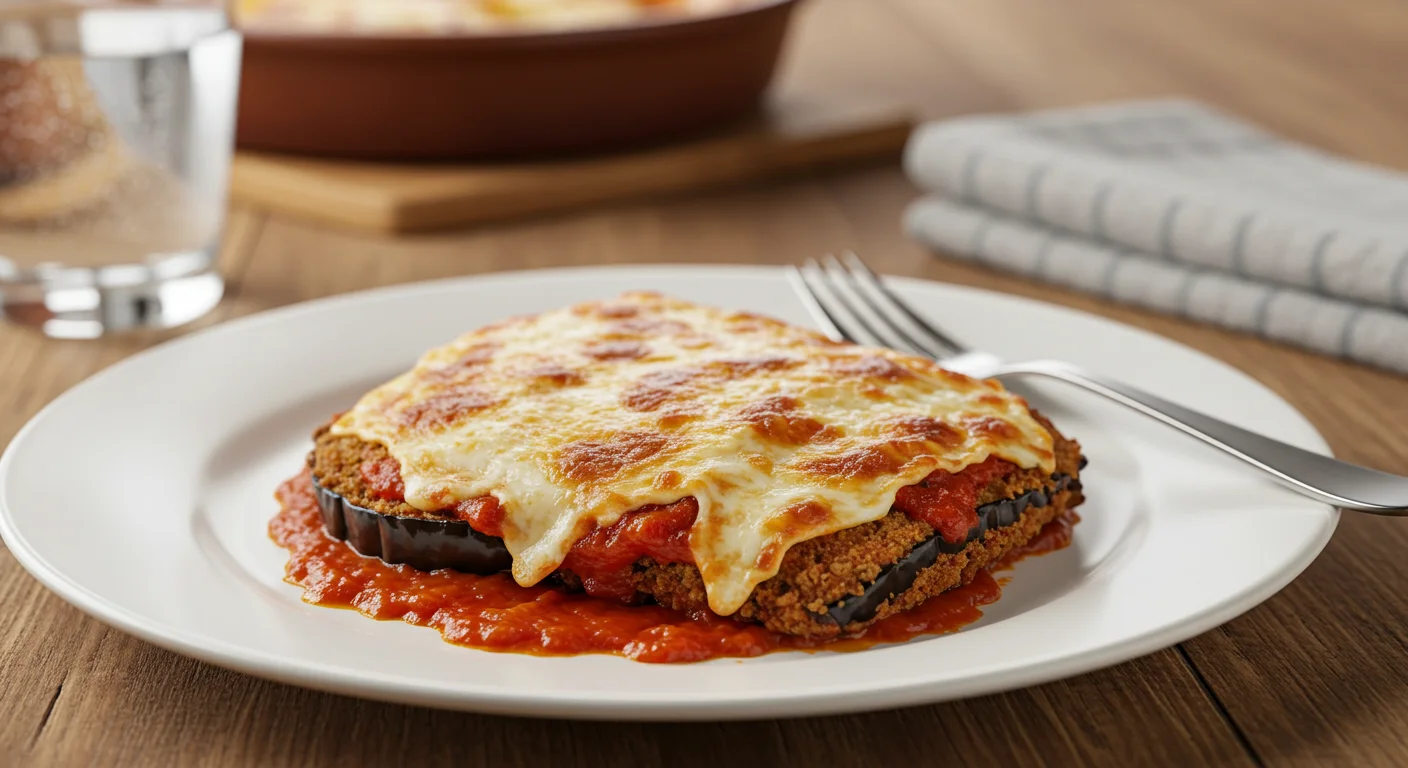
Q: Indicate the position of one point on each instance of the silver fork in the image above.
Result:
(852, 303)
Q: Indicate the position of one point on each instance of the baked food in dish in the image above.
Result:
(645, 448)
(459, 16)
(368, 79)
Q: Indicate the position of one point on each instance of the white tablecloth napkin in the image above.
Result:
(1179, 208)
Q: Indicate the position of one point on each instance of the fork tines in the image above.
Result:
(854, 304)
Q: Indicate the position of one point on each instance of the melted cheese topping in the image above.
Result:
(574, 417)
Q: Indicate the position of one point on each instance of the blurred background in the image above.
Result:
(161, 159)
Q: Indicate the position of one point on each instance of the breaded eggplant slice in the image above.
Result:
(826, 587)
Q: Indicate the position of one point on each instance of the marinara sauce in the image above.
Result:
(495, 613)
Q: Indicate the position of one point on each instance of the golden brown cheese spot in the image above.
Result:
(675, 416)
(759, 462)
(615, 350)
(992, 428)
(598, 460)
(769, 557)
(746, 322)
(863, 463)
(656, 388)
(444, 408)
(668, 480)
(479, 354)
(794, 522)
(776, 419)
(929, 429)
(555, 373)
(870, 367)
(735, 368)
(467, 366)
(913, 436)
(606, 310)
(800, 518)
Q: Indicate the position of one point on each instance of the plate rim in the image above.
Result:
(700, 705)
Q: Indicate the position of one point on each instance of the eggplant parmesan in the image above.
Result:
(649, 449)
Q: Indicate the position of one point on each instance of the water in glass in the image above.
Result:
(116, 128)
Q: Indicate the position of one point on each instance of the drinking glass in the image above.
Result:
(116, 129)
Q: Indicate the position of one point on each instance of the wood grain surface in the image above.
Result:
(797, 134)
(1316, 675)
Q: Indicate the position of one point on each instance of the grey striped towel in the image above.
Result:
(1179, 208)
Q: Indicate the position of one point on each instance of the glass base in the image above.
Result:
(86, 303)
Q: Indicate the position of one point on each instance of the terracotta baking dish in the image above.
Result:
(496, 96)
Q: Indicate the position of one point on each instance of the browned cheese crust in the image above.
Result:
(814, 574)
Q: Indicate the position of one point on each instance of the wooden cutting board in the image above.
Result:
(398, 198)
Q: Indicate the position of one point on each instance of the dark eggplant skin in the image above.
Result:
(900, 576)
(421, 543)
(428, 544)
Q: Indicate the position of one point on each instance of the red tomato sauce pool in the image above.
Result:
(495, 613)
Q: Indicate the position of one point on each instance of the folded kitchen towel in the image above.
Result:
(1179, 208)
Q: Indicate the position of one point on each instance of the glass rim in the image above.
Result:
(31, 30)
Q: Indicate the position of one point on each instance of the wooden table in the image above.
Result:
(1318, 673)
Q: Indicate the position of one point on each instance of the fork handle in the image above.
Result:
(1310, 474)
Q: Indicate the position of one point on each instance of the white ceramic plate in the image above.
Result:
(142, 495)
